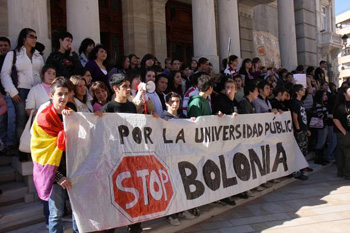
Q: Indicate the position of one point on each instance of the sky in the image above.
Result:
(341, 6)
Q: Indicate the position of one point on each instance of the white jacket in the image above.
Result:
(28, 71)
(36, 97)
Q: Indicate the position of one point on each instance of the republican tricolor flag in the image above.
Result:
(47, 146)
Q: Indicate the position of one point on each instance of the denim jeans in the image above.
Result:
(8, 124)
(21, 115)
(321, 138)
(46, 211)
(331, 153)
(56, 207)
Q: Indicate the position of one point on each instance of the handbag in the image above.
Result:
(24, 141)
(316, 123)
(14, 74)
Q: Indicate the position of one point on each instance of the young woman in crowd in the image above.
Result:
(341, 119)
(98, 64)
(320, 111)
(86, 46)
(186, 74)
(100, 93)
(331, 153)
(245, 71)
(133, 61)
(239, 88)
(256, 72)
(87, 76)
(121, 67)
(271, 79)
(29, 63)
(308, 101)
(39, 94)
(147, 62)
(150, 75)
(194, 65)
(80, 94)
(282, 74)
(175, 83)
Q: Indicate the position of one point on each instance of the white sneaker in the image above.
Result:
(47, 226)
(173, 221)
(186, 215)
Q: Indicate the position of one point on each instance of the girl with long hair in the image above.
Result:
(98, 64)
(341, 119)
(28, 63)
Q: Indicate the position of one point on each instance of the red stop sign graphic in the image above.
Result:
(141, 187)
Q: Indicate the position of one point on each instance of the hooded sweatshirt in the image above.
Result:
(198, 106)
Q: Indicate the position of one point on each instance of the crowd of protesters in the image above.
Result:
(320, 112)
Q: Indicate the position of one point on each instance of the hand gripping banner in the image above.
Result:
(128, 168)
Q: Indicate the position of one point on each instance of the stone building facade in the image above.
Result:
(283, 33)
(343, 28)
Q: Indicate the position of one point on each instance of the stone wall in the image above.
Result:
(306, 32)
(246, 31)
(265, 35)
(144, 27)
(3, 18)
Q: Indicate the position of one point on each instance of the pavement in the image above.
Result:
(321, 204)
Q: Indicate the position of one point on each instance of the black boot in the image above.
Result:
(319, 157)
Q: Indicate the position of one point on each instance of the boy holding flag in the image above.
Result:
(47, 149)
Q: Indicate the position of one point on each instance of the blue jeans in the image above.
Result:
(8, 124)
(46, 211)
(321, 138)
(331, 153)
(21, 115)
(56, 207)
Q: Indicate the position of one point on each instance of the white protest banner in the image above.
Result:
(127, 168)
(300, 79)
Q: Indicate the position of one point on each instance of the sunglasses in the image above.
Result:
(32, 36)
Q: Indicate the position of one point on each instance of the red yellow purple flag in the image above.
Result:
(47, 146)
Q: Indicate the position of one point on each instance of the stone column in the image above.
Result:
(29, 14)
(204, 32)
(83, 20)
(287, 36)
(228, 27)
(135, 27)
(158, 30)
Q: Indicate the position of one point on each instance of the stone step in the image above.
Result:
(7, 174)
(5, 161)
(20, 215)
(12, 192)
(23, 168)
